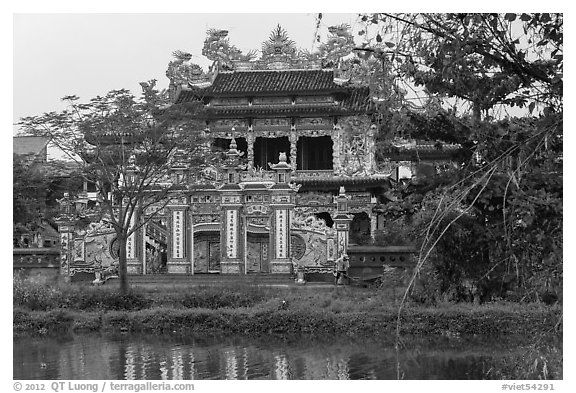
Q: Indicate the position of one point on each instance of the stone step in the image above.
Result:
(174, 278)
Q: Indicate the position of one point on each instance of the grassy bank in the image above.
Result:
(298, 313)
(251, 310)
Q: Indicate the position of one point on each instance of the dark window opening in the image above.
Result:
(360, 229)
(223, 145)
(314, 153)
(267, 150)
(326, 217)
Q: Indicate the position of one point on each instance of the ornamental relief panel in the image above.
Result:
(315, 122)
(314, 199)
(205, 209)
(256, 209)
(239, 124)
(205, 218)
(304, 220)
(260, 221)
(313, 133)
(273, 122)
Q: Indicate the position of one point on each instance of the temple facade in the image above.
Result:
(300, 180)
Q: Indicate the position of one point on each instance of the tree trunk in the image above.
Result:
(122, 265)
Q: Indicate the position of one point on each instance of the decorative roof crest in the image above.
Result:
(278, 44)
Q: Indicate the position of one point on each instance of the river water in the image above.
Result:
(155, 357)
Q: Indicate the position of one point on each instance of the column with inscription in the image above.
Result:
(231, 240)
(65, 222)
(282, 203)
(133, 249)
(178, 262)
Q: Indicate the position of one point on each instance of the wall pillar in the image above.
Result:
(342, 222)
(336, 149)
(232, 246)
(178, 262)
(133, 249)
(282, 204)
(250, 151)
(293, 149)
(66, 228)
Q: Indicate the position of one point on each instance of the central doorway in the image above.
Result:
(257, 253)
(207, 252)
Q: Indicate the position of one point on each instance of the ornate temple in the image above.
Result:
(300, 181)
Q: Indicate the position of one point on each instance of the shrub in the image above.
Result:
(213, 298)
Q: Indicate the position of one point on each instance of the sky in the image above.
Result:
(90, 54)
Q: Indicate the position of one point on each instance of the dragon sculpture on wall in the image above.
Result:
(182, 70)
(217, 48)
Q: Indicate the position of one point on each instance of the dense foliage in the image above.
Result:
(491, 225)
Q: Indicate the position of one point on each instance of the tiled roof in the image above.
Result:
(249, 82)
(29, 144)
(344, 180)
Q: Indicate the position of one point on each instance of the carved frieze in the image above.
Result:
(280, 198)
(315, 123)
(228, 124)
(260, 221)
(305, 221)
(204, 208)
(256, 198)
(205, 218)
(231, 199)
(205, 198)
(256, 209)
(277, 122)
(271, 101)
(314, 199)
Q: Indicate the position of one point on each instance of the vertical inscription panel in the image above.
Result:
(131, 242)
(178, 234)
(231, 234)
(281, 233)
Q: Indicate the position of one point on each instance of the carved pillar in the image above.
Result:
(330, 247)
(369, 159)
(282, 205)
(133, 254)
(336, 149)
(293, 149)
(177, 240)
(342, 222)
(250, 152)
(66, 230)
(231, 241)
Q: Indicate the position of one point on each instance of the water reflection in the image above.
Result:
(153, 358)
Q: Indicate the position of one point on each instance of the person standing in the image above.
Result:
(342, 264)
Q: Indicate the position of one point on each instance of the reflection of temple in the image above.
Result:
(300, 179)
